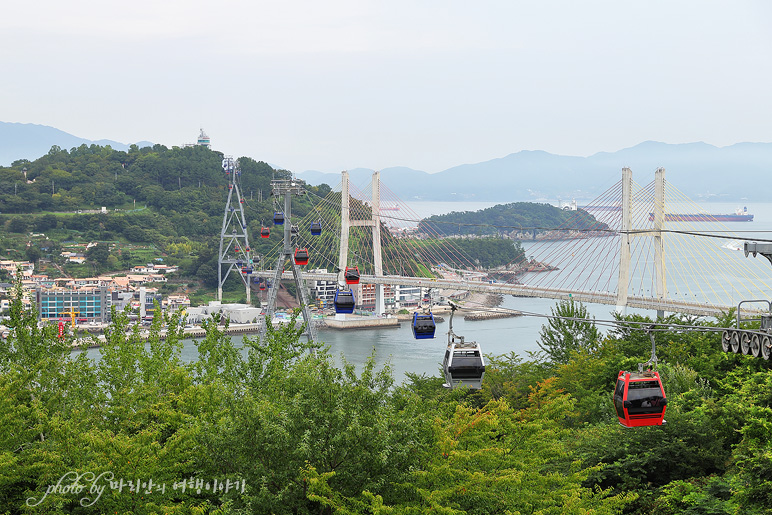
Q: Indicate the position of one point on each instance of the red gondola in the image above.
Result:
(301, 256)
(352, 275)
(265, 232)
(639, 399)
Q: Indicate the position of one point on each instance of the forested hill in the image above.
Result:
(509, 219)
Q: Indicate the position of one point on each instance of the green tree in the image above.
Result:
(46, 222)
(134, 233)
(98, 254)
(32, 253)
(569, 329)
(18, 224)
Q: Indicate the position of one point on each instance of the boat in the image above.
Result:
(601, 208)
(733, 245)
(740, 215)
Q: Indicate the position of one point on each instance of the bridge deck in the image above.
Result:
(524, 290)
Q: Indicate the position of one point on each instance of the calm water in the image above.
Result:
(521, 334)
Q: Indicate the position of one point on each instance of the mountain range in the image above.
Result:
(30, 141)
(700, 171)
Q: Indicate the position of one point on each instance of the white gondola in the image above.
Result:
(464, 365)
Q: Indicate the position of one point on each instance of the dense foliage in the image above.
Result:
(290, 432)
(483, 252)
(514, 218)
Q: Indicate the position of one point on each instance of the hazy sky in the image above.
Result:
(334, 85)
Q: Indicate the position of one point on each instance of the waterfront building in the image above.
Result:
(85, 305)
(324, 291)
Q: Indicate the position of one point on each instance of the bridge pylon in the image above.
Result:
(627, 233)
(375, 222)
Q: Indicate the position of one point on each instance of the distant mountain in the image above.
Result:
(734, 173)
(30, 141)
(701, 171)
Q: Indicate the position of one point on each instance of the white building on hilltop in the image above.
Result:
(203, 141)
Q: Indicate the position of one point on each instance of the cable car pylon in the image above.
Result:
(288, 188)
(235, 251)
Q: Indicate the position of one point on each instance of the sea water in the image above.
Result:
(404, 354)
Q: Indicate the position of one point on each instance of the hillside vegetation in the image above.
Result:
(512, 219)
(291, 432)
(162, 203)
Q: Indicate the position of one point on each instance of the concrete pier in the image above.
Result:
(359, 322)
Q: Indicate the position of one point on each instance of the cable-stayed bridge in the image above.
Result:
(691, 267)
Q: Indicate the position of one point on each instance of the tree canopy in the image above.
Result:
(269, 427)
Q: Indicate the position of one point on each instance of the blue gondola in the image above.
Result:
(278, 218)
(344, 301)
(423, 326)
(316, 228)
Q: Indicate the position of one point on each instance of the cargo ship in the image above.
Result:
(740, 215)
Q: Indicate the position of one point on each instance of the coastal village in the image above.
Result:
(85, 303)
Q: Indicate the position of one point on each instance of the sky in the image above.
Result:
(339, 84)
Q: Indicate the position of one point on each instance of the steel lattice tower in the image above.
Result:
(235, 252)
(287, 188)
